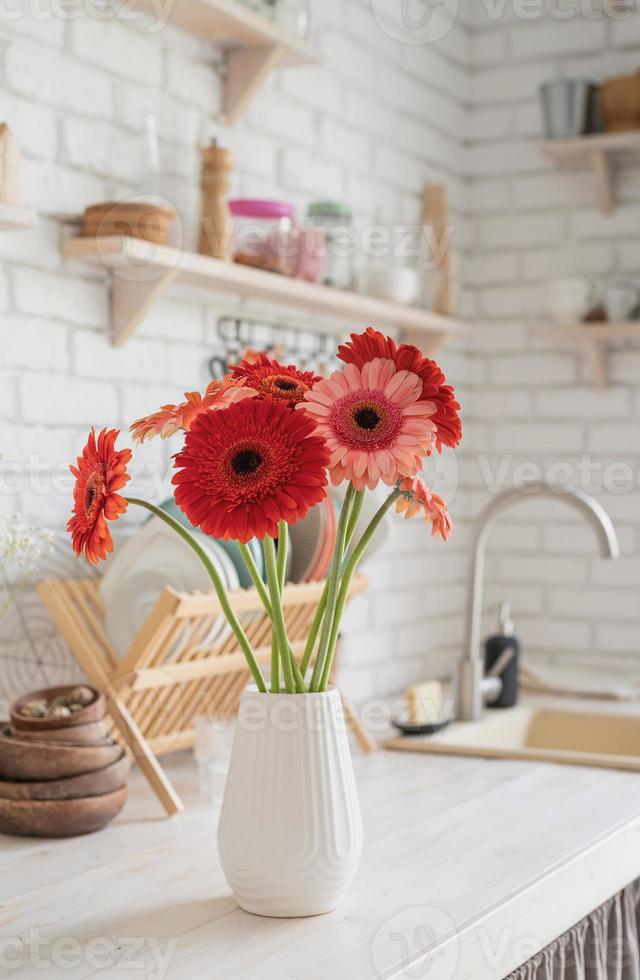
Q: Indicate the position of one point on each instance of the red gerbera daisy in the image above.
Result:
(247, 467)
(365, 347)
(272, 379)
(101, 471)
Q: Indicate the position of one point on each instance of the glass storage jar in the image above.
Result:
(264, 235)
(340, 241)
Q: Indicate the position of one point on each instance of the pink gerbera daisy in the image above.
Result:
(416, 497)
(363, 347)
(373, 421)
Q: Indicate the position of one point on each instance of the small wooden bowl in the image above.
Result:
(93, 712)
(39, 760)
(93, 733)
(60, 818)
(96, 783)
(134, 219)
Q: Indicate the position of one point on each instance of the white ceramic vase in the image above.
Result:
(290, 831)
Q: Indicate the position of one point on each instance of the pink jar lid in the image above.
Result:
(245, 207)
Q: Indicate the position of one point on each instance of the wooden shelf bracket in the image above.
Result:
(132, 300)
(603, 173)
(595, 340)
(254, 45)
(598, 151)
(247, 71)
(595, 349)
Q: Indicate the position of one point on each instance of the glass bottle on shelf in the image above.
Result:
(336, 219)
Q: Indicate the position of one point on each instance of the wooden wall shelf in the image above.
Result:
(255, 46)
(12, 217)
(143, 272)
(595, 339)
(600, 152)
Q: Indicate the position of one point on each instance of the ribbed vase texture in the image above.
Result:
(290, 832)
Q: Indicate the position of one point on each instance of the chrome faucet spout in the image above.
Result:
(470, 699)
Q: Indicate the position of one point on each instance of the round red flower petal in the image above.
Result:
(100, 472)
(365, 347)
(247, 467)
(274, 380)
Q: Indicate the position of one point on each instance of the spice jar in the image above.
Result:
(264, 235)
(340, 241)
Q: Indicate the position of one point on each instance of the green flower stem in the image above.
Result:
(275, 662)
(278, 617)
(354, 517)
(301, 687)
(281, 562)
(348, 573)
(256, 577)
(252, 568)
(313, 632)
(223, 599)
(333, 582)
(322, 605)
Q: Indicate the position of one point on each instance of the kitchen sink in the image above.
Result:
(544, 734)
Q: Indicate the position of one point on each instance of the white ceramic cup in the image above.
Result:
(620, 300)
(397, 284)
(570, 299)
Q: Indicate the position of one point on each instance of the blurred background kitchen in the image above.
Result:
(447, 163)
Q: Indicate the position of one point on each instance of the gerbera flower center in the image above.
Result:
(249, 466)
(285, 384)
(367, 418)
(92, 492)
(246, 462)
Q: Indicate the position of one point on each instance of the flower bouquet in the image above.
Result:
(258, 451)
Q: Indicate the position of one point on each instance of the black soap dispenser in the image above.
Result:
(501, 658)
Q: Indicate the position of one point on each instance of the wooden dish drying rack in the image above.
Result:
(184, 661)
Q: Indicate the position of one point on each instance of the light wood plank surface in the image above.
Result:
(468, 866)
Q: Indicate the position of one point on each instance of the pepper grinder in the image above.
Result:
(215, 220)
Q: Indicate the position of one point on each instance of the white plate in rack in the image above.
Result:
(155, 557)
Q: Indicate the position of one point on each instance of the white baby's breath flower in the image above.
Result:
(22, 548)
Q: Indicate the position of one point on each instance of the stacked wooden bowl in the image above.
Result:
(61, 774)
(134, 219)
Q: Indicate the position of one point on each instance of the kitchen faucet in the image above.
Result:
(473, 688)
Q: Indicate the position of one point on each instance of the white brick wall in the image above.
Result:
(535, 402)
(369, 125)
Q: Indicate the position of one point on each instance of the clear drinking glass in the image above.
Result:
(212, 751)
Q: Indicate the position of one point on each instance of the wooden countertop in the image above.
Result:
(469, 867)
